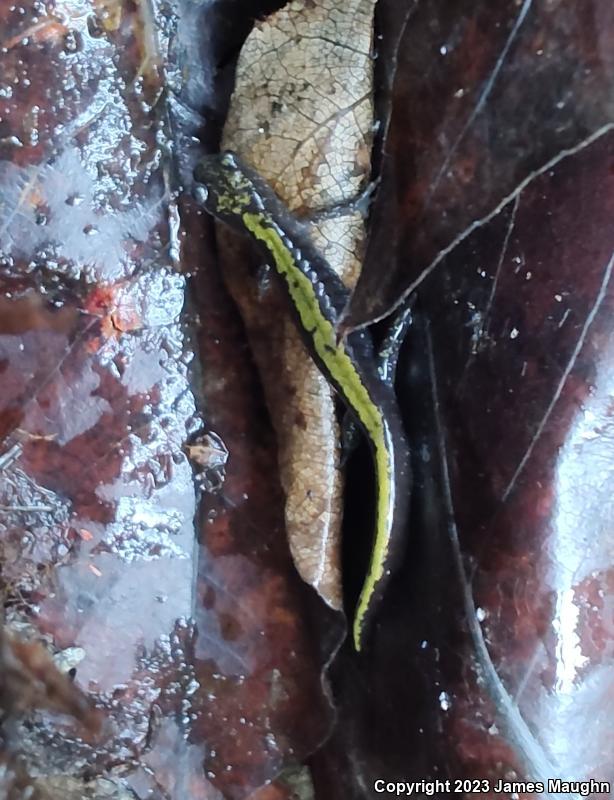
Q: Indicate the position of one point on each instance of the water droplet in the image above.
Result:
(201, 194)
(444, 701)
(72, 42)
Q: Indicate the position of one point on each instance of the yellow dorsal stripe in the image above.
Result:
(343, 371)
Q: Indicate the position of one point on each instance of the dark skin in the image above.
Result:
(236, 195)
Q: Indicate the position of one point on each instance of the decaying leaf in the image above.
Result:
(30, 678)
(98, 420)
(35, 682)
(302, 115)
(66, 788)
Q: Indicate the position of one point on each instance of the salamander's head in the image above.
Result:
(225, 187)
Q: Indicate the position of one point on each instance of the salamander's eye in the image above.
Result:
(200, 194)
(229, 159)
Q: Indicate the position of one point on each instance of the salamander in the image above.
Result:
(235, 194)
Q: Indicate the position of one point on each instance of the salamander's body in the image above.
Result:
(237, 196)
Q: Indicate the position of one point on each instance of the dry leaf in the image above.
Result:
(302, 115)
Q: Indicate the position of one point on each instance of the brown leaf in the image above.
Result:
(30, 680)
(301, 114)
(494, 656)
(97, 410)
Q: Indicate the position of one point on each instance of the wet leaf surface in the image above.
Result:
(479, 101)
(198, 659)
(492, 659)
(537, 339)
(182, 616)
